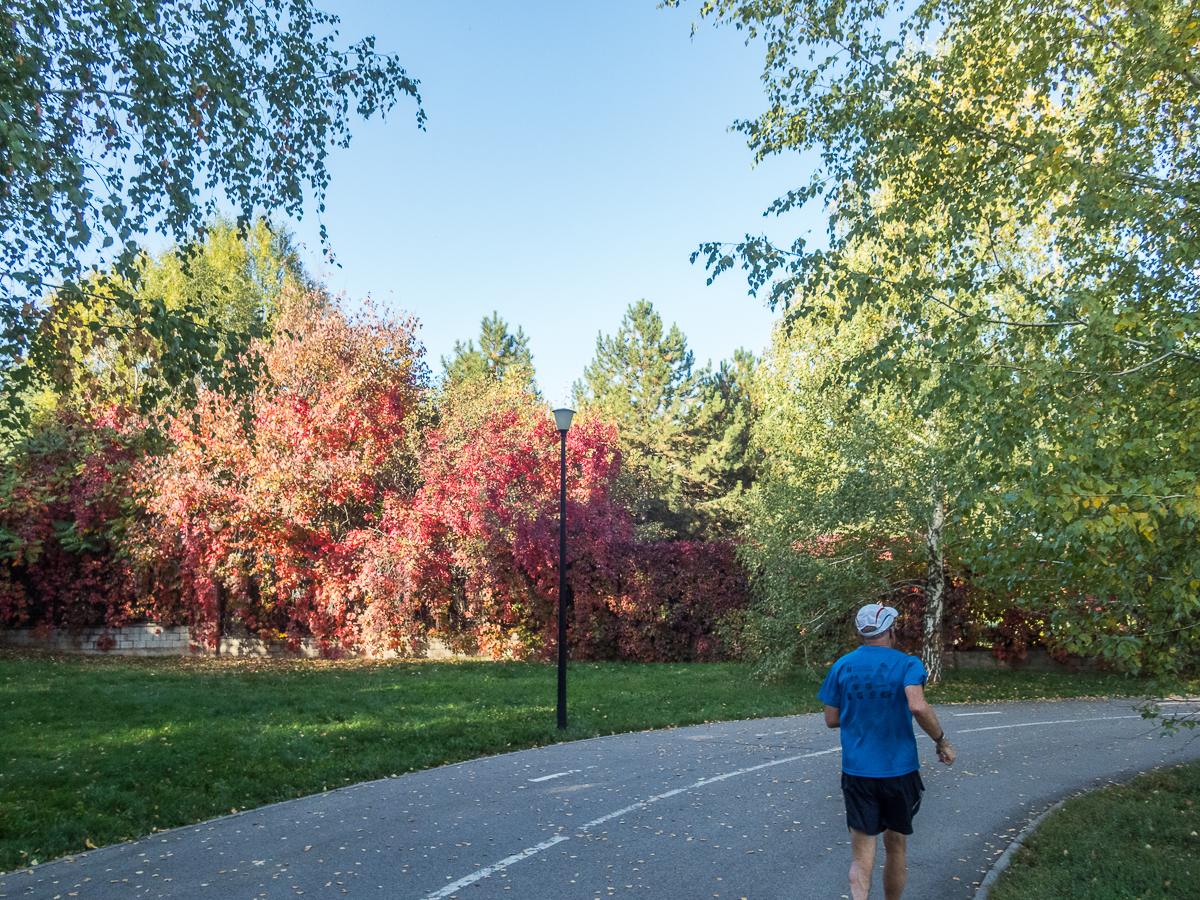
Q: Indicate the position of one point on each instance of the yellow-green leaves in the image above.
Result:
(122, 118)
(1025, 174)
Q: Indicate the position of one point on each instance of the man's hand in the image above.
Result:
(945, 752)
(924, 716)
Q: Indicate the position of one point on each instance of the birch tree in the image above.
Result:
(854, 499)
(1048, 187)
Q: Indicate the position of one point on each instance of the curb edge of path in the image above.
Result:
(1005, 858)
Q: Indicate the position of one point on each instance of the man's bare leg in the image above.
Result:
(895, 864)
(863, 847)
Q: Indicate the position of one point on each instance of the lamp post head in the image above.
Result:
(562, 419)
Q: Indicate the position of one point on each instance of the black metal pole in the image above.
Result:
(562, 584)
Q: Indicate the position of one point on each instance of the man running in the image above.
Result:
(873, 694)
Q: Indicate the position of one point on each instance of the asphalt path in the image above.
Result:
(730, 810)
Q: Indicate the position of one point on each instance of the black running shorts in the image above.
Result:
(874, 805)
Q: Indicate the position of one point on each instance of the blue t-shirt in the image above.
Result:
(867, 686)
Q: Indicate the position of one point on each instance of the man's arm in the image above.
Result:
(833, 717)
(924, 716)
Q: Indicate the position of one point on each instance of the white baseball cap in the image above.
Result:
(874, 619)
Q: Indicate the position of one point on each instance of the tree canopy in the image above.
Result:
(724, 463)
(286, 521)
(857, 499)
(1032, 205)
(125, 118)
(240, 276)
(231, 282)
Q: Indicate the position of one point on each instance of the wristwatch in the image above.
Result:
(942, 738)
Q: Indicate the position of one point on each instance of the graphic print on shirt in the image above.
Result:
(870, 686)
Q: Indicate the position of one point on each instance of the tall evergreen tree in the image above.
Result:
(685, 433)
(498, 352)
(642, 378)
(724, 465)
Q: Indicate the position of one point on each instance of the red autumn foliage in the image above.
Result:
(321, 509)
(64, 503)
(485, 532)
(484, 528)
(666, 606)
(975, 618)
(274, 519)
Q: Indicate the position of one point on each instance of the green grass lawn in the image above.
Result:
(1139, 841)
(100, 750)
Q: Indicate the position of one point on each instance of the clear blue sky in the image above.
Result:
(575, 155)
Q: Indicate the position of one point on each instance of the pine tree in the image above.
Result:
(498, 352)
(723, 466)
(642, 379)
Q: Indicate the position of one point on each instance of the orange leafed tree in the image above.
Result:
(277, 516)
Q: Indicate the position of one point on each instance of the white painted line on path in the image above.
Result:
(503, 864)
(530, 851)
(556, 775)
(704, 781)
(1056, 722)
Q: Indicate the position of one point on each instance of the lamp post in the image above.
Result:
(562, 421)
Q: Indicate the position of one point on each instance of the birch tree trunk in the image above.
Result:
(935, 587)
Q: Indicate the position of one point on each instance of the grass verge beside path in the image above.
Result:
(1139, 841)
(94, 751)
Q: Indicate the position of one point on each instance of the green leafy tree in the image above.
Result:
(856, 499)
(236, 281)
(239, 277)
(498, 352)
(1047, 190)
(122, 117)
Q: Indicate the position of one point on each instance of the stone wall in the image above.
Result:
(157, 640)
(133, 640)
(1036, 660)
